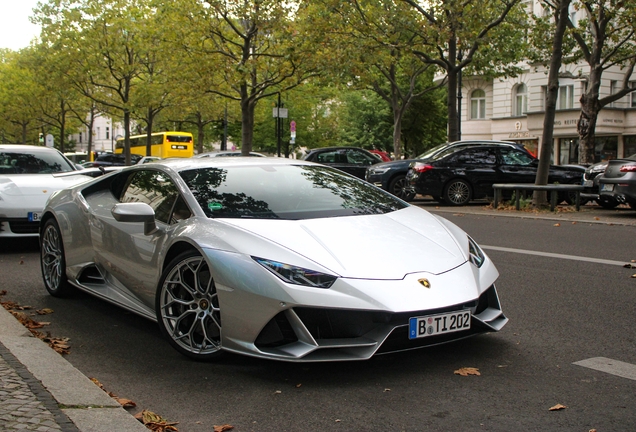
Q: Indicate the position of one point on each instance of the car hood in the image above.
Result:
(387, 246)
(32, 190)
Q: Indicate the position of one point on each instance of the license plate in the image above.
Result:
(607, 187)
(432, 325)
(588, 183)
(33, 216)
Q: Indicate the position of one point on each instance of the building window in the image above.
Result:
(629, 145)
(97, 133)
(80, 137)
(632, 95)
(565, 100)
(520, 100)
(568, 151)
(478, 104)
(107, 132)
(613, 90)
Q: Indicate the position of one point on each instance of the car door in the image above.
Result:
(129, 255)
(478, 165)
(516, 166)
(358, 161)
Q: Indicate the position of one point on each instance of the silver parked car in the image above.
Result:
(618, 182)
(267, 257)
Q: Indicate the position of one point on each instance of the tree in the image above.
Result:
(561, 19)
(107, 45)
(456, 31)
(605, 39)
(251, 50)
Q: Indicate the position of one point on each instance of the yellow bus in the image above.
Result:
(164, 144)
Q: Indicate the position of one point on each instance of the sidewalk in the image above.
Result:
(41, 391)
(590, 213)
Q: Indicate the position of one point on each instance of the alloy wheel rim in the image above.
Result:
(189, 307)
(399, 189)
(458, 192)
(52, 257)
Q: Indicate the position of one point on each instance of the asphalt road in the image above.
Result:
(561, 311)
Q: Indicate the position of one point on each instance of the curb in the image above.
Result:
(84, 403)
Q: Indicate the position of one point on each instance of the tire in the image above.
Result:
(607, 203)
(398, 187)
(457, 192)
(52, 260)
(187, 307)
(632, 205)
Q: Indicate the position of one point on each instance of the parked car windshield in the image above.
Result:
(37, 162)
(285, 192)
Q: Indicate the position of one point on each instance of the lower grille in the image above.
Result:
(24, 227)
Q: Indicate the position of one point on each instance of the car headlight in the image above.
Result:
(475, 253)
(378, 171)
(297, 275)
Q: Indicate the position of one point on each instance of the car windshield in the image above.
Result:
(37, 162)
(285, 192)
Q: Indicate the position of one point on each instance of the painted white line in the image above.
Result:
(614, 367)
(553, 255)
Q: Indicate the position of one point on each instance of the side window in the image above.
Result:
(158, 191)
(476, 157)
(359, 158)
(515, 157)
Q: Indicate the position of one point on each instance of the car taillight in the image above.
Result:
(422, 168)
(628, 168)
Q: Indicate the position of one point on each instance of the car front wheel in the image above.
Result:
(52, 260)
(187, 307)
(457, 192)
(400, 188)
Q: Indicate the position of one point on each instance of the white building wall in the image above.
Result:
(105, 133)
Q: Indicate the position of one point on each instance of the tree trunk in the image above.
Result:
(543, 171)
(200, 133)
(127, 136)
(453, 132)
(89, 145)
(24, 132)
(62, 125)
(149, 122)
(397, 132)
(247, 126)
(590, 107)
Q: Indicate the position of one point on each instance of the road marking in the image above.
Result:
(553, 255)
(614, 367)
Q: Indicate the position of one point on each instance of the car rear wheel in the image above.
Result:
(457, 192)
(52, 260)
(187, 307)
(607, 203)
(400, 188)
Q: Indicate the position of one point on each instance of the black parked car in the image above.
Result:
(391, 176)
(455, 175)
(114, 159)
(352, 160)
(618, 182)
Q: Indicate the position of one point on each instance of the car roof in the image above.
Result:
(181, 164)
(26, 148)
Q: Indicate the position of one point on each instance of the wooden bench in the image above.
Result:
(554, 190)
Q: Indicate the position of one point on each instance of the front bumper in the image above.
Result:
(18, 227)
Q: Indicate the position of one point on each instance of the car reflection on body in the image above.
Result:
(268, 257)
(618, 182)
(28, 176)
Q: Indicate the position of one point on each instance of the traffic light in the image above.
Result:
(41, 138)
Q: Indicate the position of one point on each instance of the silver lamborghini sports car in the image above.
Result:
(273, 258)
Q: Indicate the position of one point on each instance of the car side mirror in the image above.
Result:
(136, 212)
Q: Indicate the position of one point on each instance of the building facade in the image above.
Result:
(512, 109)
(105, 134)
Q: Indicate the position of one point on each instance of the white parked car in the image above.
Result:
(28, 177)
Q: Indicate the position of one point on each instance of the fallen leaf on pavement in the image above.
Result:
(597, 218)
(633, 276)
(126, 403)
(155, 422)
(298, 385)
(44, 311)
(223, 428)
(277, 392)
(387, 389)
(26, 321)
(557, 224)
(467, 371)
(558, 407)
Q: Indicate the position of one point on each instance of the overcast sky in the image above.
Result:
(16, 31)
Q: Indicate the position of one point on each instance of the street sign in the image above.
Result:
(49, 140)
(280, 112)
(292, 126)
